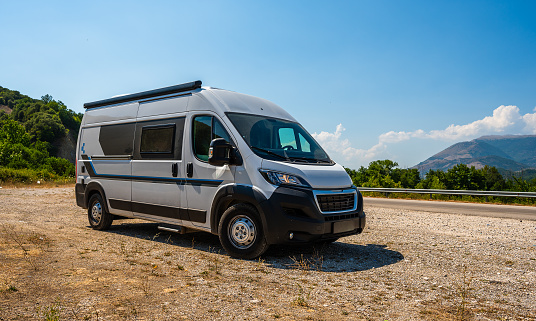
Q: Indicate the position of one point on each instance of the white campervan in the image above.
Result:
(201, 158)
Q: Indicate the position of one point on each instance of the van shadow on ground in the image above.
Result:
(334, 257)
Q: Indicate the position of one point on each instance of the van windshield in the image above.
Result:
(278, 139)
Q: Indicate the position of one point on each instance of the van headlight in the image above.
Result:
(279, 178)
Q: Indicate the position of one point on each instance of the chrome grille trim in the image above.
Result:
(335, 201)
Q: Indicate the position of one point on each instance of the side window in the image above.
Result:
(117, 139)
(157, 139)
(202, 135)
(286, 138)
(219, 131)
(205, 129)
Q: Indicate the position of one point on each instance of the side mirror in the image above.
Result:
(219, 152)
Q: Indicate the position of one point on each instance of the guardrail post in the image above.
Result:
(486, 198)
(431, 195)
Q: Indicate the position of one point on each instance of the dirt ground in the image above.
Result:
(405, 266)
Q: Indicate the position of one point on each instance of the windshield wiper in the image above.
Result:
(314, 160)
(269, 152)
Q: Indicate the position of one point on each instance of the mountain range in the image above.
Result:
(509, 152)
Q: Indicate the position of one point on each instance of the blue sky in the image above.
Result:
(370, 79)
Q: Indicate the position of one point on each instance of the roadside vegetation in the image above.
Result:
(387, 174)
(31, 132)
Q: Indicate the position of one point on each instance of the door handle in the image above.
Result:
(174, 169)
(190, 170)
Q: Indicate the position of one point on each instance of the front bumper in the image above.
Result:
(294, 210)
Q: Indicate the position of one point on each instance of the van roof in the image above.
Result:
(230, 101)
(226, 100)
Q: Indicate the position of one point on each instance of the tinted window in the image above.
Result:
(117, 139)
(205, 129)
(157, 139)
(202, 136)
(219, 131)
(278, 139)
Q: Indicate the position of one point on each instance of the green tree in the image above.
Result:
(382, 167)
(359, 177)
(45, 127)
(435, 179)
(384, 173)
(12, 132)
(46, 98)
(493, 180)
(408, 178)
(521, 185)
(464, 178)
(379, 174)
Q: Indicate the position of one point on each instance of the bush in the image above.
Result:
(60, 166)
(11, 175)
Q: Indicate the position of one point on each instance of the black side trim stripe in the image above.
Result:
(197, 216)
(121, 205)
(160, 210)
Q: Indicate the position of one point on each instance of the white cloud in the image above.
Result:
(505, 119)
(332, 142)
(530, 122)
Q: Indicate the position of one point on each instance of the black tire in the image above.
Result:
(98, 218)
(241, 232)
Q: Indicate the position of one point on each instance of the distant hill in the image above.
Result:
(521, 148)
(509, 153)
(46, 120)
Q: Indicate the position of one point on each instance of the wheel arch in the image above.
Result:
(233, 194)
(95, 188)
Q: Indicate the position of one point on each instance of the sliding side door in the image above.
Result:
(157, 168)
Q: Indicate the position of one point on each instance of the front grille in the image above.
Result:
(336, 202)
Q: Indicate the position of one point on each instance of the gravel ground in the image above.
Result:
(406, 265)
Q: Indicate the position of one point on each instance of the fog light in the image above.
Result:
(291, 236)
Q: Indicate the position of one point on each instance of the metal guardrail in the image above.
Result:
(447, 192)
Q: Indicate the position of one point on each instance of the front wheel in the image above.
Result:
(241, 233)
(99, 219)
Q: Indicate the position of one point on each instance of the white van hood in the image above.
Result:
(318, 176)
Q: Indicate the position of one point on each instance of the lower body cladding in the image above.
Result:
(292, 215)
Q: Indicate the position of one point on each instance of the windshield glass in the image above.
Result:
(278, 139)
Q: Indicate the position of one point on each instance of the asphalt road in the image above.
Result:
(475, 209)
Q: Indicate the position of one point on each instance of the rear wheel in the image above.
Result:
(241, 233)
(99, 219)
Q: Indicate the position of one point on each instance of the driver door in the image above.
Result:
(202, 179)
